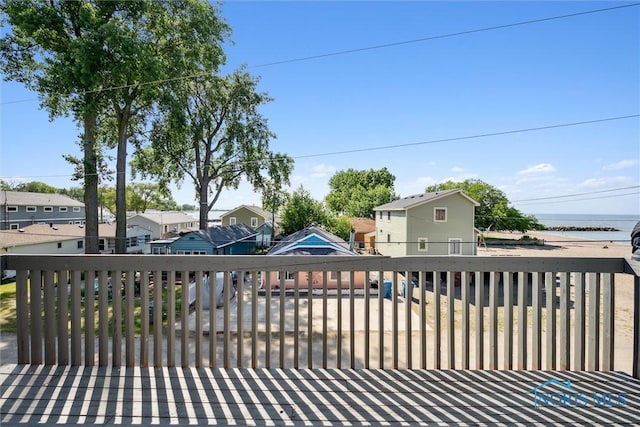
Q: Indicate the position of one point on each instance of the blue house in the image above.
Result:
(223, 240)
(311, 241)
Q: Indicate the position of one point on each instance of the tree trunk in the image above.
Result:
(121, 185)
(90, 184)
(204, 204)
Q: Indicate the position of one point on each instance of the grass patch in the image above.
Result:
(8, 322)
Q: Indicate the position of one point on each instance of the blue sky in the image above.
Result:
(555, 72)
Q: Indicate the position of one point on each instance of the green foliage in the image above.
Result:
(494, 212)
(356, 193)
(140, 197)
(301, 211)
(340, 226)
(211, 132)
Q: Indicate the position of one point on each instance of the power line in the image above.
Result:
(578, 194)
(462, 138)
(441, 36)
(350, 51)
(386, 147)
(585, 198)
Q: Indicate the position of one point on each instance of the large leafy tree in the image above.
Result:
(210, 131)
(140, 197)
(301, 210)
(356, 193)
(59, 50)
(494, 211)
(101, 61)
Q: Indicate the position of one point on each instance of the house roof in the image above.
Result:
(23, 198)
(266, 215)
(40, 233)
(224, 235)
(363, 225)
(418, 199)
(163, 218)
(109, 230)
(311, 241)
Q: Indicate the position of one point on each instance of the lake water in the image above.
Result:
(624, 223)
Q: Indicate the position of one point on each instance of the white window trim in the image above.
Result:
(76, 209)
(233, 220)
(14, 226)
(454, 239)
(424, 240)
(288, 275)
(11, 209)
(48, 209)
(435, 215)
(32, 209)
(254, 221)
(63, 209)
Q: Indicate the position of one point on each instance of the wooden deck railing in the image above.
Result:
(464, 312)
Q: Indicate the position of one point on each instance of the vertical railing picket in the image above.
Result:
(157, 319)
(49, 318)
(522, 321)
(116, 337)
(89, 319)
(565, 323)
(437, 324)
(493, 321)
(63, 316)
(171, 319)
(536, 315)
(608, 329)
(451, 329)
(465, 320)
(579, 322)
(550, 312)
(479, 303)
(76, 319)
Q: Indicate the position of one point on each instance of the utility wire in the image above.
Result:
(578, 194)
(441, 36)
(462, 138)
(350, 51)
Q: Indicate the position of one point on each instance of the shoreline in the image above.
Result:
(556, 245)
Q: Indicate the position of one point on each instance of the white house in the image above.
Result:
(138, 239)
(161, 223)
(60, 239)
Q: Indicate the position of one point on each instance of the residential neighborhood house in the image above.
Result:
(162, 223)
(137, 237)
(19, 209)
(362, 228)
(38, 239)
(222, 240)
(312, 241)
(253, 216)
(440, 223)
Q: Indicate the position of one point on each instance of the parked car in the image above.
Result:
(206, 289)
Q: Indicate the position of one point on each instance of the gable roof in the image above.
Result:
(109, 230)
(419, 199)
(224, 235)
(24, 198)
(163, 218)
(266, 215)
(311, 241)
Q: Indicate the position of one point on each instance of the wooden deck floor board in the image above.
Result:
(84, 395)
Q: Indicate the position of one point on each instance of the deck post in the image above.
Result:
(636, 327)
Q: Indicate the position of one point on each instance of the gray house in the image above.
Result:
(440, 223)
(19, 209)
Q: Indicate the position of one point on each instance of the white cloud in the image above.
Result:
(457, 169)
(623, 164)
(538, 169)
(606, 182)
(322, 170)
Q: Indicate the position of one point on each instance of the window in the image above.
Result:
(76, 209)
(440, 214)
(12, 209)
(59, 245)
(423, 244)
(254, 221)
(77, 222)
(71, 222)
(32, 209)
(389, 216)
(80, 244)
(455, 246)
(232, 220)
(380, 214)
(102, 244)
(63, 209)
(48, 208)
(14, 226)
(388, 238)
(287, 275)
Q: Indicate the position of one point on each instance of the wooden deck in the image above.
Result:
(32, 394)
